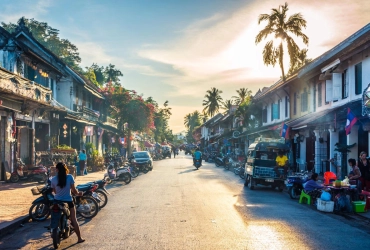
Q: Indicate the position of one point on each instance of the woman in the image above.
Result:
(312, 188)
(355, 174)
(63, 184)
(82, 161)
(364, 166)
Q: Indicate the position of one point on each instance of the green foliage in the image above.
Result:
(212, 101)
(89, 147)
(343, 148)
(63, 146)
(191, 122)
(244, 94)
(281, 27)
(49, 37)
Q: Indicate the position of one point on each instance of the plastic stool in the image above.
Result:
(304, 196)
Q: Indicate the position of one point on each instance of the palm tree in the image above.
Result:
(243, 94)
(203, 117)
(227, 104)
(187, 120)
(212, 101)
(301, 60)
(281, 27)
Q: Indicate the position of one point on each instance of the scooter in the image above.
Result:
(222, 161)
(33, 173)
(198, 163)
(295, 183)
(120, 174)
(60, 225)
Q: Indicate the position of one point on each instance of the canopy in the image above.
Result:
(147, 144)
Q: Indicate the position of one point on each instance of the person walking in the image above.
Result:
(63, 184)
(82, 156)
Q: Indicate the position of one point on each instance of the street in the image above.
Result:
(176, 206)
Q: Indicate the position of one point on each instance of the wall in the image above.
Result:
(63, 92)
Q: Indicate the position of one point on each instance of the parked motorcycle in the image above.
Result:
(60, 227)
(40, 208)
(32, 173)
(120, 174)
(91, 190)
(294, 183)
(222, 161)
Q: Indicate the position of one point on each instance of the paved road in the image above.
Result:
(178, 207)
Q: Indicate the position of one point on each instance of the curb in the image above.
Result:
(13, 225)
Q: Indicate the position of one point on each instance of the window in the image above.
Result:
(275, 111)
(319, 94)
(286, 106)
(358, 78)
(272, 111)
(304, 101)
(345, 84)
(295, 103)
(264, 115)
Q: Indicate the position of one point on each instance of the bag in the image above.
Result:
(342, 203)
(325, 196)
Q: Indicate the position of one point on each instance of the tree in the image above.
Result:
(212, 101)
(301, 60)
(129, 108)
(227, 104)
(243, 94)
(192, 121)
(99, 74)
(49, 37)
(281, 28)
(112, 74)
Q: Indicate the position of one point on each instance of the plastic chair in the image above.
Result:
(304, 197)
(329, 176)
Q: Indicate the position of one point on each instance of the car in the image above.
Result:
(142, 159)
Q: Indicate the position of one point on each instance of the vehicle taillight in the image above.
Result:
(94, 187)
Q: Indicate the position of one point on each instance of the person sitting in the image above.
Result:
(281, 162)
(312, 188)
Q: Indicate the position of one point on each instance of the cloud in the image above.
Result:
(14, 10)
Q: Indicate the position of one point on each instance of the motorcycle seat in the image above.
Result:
(84, 187)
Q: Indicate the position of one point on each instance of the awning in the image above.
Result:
(148, 145)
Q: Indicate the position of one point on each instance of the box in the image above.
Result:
(359, 206)
(325, 206)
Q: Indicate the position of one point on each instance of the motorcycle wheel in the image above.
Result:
(216, 164)
(226, 166)
(134, 173)
(145, 170)
(294, 192)
(41, 213)
(67, 233)
(94, 207)
(14, 178)
(44, 179)
(56, 238)
(103, 198)
(126, 177)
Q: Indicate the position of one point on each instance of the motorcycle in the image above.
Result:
(120, 174)
(91, 190)
(222, 161)
(60, 227)
(22, 172)
(198, 163)
(40, 208)
(295, 183)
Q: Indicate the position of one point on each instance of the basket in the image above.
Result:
(359, 206)
(36, 190)
(325, 206)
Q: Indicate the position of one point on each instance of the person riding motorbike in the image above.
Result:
(197, 156)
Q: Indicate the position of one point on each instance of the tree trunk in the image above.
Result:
(128, 141)
(281, 56)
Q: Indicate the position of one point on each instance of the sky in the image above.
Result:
(176, 50)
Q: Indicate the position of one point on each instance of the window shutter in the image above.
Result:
(275, 113)
(272, 111)
(264, 115)
(278, 109)
(358, 78)
(337, 86)
(328, 90)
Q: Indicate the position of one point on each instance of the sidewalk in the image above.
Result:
(16, 199)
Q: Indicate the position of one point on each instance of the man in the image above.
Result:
(281, 162)
(197, 156)
(173, 151)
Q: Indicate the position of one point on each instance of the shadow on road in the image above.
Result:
(188, 171)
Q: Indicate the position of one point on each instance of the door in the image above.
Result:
(310, 152)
